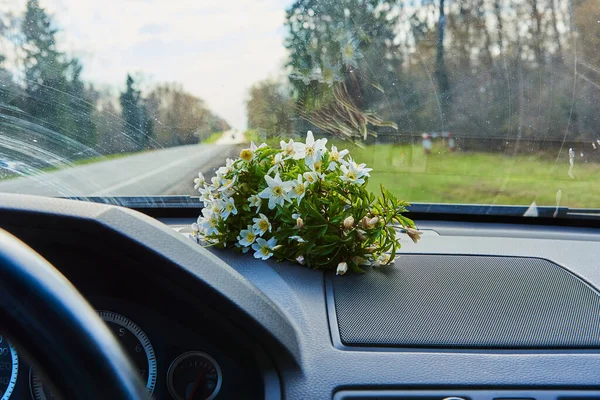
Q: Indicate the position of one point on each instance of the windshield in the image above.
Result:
(449, 101)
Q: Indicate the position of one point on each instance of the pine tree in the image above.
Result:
(137, 122)
(47, 86)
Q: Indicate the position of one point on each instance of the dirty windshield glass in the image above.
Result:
(449, 101)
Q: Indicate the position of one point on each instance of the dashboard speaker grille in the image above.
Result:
(467, 302)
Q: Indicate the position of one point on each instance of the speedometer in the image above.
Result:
(136, 345)
(9, 368)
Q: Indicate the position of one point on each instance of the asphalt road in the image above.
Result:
(157, 172)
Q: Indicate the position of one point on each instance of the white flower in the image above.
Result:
(205, 194)
(216, 181)
(361, 261)
(253, 146)
(277, 163)
(298, 189)
(310, 151)
(336, 156)
(382, 260)
(288, 148)
(300, 260)
(208, 222)
(227, 183)
(330, 74)
(342, 268)
(263, 248)
(313, 176)
(297, 239)
(195, 227)
(350, 52)
(226, 169)
(261, 225)
(228, 208)
(255, 201)
(215, 206)
(199, 181)
(354, 173)
(247, 236)
(276, 192)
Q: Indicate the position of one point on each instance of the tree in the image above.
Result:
(47, 86)
(269, 108)
(55, 95)
(182, 118)
(137, 123)
(441, 73)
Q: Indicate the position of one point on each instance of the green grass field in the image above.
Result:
(481, 178)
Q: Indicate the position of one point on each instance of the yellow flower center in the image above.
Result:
(317, 165)
(278, 191)
(229, 207)
(349, 51)
(213, 222)
(263, 225)
(310, 178)
(299, 189)
(250, 237)
(265, 250)
(351, 175)
(310, 151)
(246, 155)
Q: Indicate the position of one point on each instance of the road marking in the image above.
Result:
(106, 191)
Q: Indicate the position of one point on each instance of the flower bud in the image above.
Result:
(342, 268)
(414, 234)
(300, 260)
(369, 223)
(361, 235)
(299, 223)
(195, 227)
(349, 222)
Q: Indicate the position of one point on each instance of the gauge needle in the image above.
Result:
(196, 384)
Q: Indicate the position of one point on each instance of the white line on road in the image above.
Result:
(135, 179)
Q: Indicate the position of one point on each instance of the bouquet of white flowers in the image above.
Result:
(303, 202)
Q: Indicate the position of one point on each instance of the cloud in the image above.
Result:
(216, 48)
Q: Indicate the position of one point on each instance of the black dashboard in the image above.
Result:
(272, 327)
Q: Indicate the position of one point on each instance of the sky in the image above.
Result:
(215, 48)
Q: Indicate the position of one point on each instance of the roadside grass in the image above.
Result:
(473, 177)
(479, 178)
(212, 138)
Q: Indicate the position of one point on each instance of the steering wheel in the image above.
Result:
(51, 323)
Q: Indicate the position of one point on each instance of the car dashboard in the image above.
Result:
(427, 328)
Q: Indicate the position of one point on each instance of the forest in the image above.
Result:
(43, 87)
(492, 71)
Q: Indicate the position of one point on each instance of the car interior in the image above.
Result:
(477, 310)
